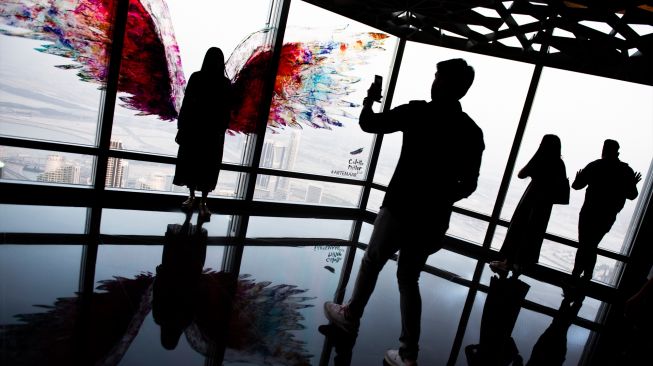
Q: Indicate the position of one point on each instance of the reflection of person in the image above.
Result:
(176, 286)
(202, 123)
(609, 183)
(437, 134)
(525, 235)
(500, 312)
(551, 348)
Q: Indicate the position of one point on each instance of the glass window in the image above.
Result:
(293, 227)
(461, 265)
(164, 45)
(148, 176)
(375, 200)
(388, 158)
(467, 228)
(494, 102)
(134, 222)
(608, 109)
(34, 276)
(293, 190)
(44, 166)
(326, 66)
(53, 68)
(366, 233)
(42, 219)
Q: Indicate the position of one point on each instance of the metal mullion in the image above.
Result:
(48, 145)
(233, 254)
(89, 255)
(512, 159)
(378, 141)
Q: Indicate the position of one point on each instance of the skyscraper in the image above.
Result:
(115, 168)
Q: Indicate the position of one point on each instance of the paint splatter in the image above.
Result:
(81, 31)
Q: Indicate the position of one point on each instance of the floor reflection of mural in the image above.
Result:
(247, 319)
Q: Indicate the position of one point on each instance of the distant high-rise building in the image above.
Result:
(53, 163)
(267, 161)
(66, 174)
(313, 194)
(115, 168)
(287, 163)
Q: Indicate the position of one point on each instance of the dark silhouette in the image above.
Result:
(521, 247)
(638, 314)
(202, 123)
(609, 183)
(437, 136)
(343, 343)
(551, 348)
(496, 346)
(176, 285)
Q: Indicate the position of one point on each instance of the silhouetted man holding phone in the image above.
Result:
(440, 138)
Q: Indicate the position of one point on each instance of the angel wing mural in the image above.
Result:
(312, 86)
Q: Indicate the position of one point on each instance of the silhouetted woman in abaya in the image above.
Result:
(526, 231)
(202, 123)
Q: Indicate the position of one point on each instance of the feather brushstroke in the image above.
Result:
(260, 327)
(151, 72)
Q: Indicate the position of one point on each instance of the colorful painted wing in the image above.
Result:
(314, 80)
(151, 72)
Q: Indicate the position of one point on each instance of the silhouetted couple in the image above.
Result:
(438, 137)
(202, 123)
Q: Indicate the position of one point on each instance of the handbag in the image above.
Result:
(561, 192)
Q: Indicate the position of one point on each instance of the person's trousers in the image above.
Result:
(415, 241)
(591, 230)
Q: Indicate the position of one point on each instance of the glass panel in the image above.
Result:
(453, 262)
(144, 175)
(127, 272)
(388, 158)
(292, 298)
(35, 275)
(293, 190)
(42, 219)
(176, 36)
(134, 222)
(51, 82)
(499, 237)
(327, 64)
(45, 166)
(375, 200)
(366, 233)
(583, 125)
(557, 255)
(528, 328)
(497, 114)
(383, 308)
(292, 227)
(467, 228)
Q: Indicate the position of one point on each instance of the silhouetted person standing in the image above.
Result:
(525, 235)
(437, 136)
(609, 183)
(202, 123)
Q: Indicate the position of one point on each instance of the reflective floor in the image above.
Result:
(161, 297)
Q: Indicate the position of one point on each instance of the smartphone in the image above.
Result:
(377, 87)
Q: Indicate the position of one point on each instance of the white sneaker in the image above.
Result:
(392, 358)
(337, 314)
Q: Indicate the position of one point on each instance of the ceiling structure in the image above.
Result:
(610, 38)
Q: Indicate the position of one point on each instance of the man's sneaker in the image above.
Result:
(392, 358)
(337, 314)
